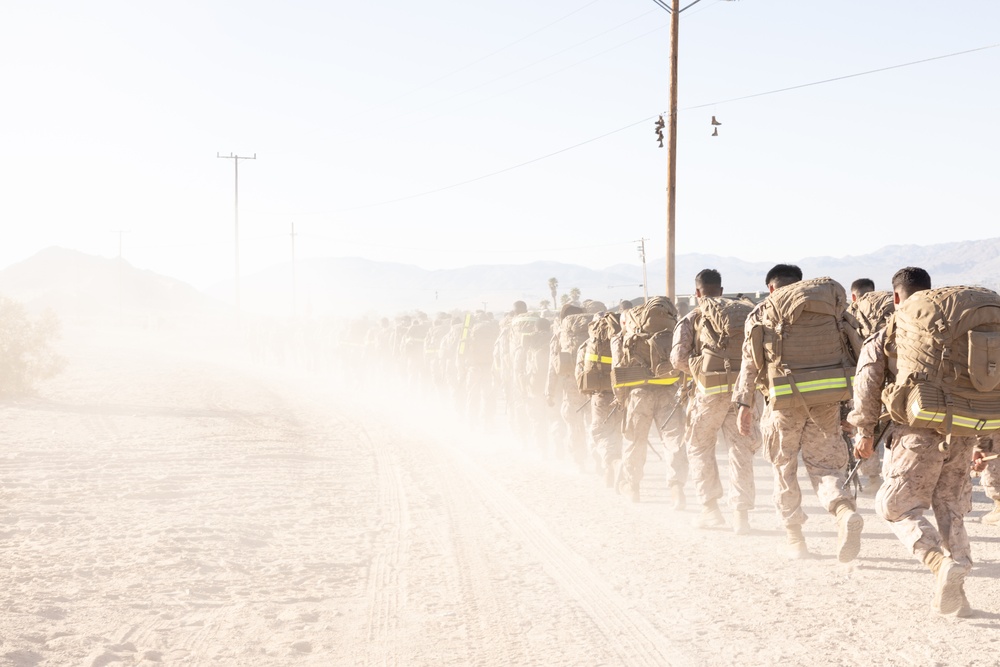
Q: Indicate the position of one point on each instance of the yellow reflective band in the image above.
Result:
(811, 385)
(465, 333)
(660, 381)
(598, 358)
(712, 391)
(956, 420)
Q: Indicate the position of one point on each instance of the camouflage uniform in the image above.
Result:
(918, 476)
(814, 432)
(560, 389)
(645, 407)
(708, 416)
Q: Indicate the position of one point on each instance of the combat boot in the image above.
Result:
(630, 490)
(849, 525)
(965, 609)
(710, 516)
(677, 499)
(949, 581)
(992, 518)
(741, 523)
(609, 475)
(796, 547)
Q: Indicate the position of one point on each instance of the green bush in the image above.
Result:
(26, 353)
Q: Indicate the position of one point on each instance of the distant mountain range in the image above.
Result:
(82, 286)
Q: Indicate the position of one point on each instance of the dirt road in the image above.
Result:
(160, 507)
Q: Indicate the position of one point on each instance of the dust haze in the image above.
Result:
(198, 488)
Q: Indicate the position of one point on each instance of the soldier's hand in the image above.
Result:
(864, 446)
(744, 420)
(978, 461)
(551, 402)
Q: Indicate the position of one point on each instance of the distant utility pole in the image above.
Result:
(675, 10)
(293, 270)
(642, 256)
(236, 207)
(120, 233)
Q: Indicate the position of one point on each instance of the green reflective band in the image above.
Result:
(811, 385)
(598, 358)
(712, 391)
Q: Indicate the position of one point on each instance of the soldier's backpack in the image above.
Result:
(480, 338)
(870, 313)
(641, 352)
(572, 333)
(718, 343)
(530, 336)
(804, 346)
(595, 375)
(946, 344)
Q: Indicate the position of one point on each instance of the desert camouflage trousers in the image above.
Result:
(649, 407)
(990, 478)
(815, 434)
(605, 427)
(570, 433)
(710, 419)
(918, 477)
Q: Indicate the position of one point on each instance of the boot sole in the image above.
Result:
(953, 576)
(850, 543)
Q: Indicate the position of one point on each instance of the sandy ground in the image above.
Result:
(163, 508)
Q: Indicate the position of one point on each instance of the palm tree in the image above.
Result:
(553, 286)
(574, 295)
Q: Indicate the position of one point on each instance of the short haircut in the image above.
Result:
(708, 278)
(911, 279)
(863, 286)
(783, 274)
(520, 307)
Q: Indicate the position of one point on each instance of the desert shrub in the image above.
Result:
(26, 348)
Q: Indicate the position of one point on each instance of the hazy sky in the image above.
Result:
(367, 118)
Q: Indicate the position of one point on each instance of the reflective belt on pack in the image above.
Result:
(636, 383)
(598, 358)
(811, 385)
(956, 420)
(712, 391)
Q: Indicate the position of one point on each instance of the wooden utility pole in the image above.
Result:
(675, 17)
(293, 270)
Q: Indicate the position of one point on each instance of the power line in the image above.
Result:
(646, 120)
(343, 241)
(498, 172)
(846, 76)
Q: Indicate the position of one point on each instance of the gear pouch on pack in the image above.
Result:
(984, 359)
(659, 353)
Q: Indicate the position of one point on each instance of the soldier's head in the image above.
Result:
(861, 286)
(569, 309)
(520, 307)
(708, 282)
(781, 275)
(624, 305)
(592, 306)
(908, 281)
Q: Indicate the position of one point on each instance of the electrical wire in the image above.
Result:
(645, 120)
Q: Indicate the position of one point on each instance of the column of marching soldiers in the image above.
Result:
(837, 380)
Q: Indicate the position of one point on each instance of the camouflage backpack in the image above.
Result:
(529, 351)
(870, 313)
(595, 373)
(946, 345)
(479, 338)
(718, 343)
(641, 352)
(804, 346)
(572, 334)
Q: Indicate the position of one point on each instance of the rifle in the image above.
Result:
(856, 464)
(682, 397)
(583, 405)
(614, 409)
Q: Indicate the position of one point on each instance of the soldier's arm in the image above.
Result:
(869, 378)
(683, 343)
